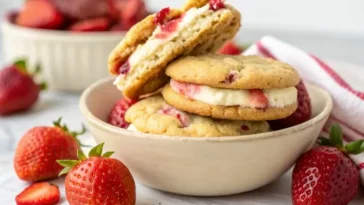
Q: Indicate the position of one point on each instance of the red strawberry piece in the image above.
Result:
(98, 179)
(40, 14)
(231, 77)
(230, 48)
(89, 25)
(172, 111)
(42, 193)
(161, 16)
(216, 4)
(116, 116)
(132, 13)
(186, 89)
(82, 9)
(325, 175)
(302, 114)
(18, 91)
(258, 99)
(39, 148)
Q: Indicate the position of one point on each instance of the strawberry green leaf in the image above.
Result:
(83, 131)
(324, 141)
(21, 64)
(362, 148)
(96, 151)
(38, 69)
(108, 154)
(81, 155)
(354, 147)
(68, 163)
(43, 86)
(336, 136)
(64, 171)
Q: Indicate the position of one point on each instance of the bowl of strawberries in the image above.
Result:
(71, 39)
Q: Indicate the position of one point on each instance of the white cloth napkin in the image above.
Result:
(348, 103)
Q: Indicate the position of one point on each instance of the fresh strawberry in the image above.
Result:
(116, 116)
(18, 91)
(302, 114)
(325, 175)
(38, 150)
(82, 9)
(98, 179)
(40, 14)
(42, 193)
(258, 99)
(230, 48)
(88, 25)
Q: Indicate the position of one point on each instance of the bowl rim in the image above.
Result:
(7, 25)
(271, 134)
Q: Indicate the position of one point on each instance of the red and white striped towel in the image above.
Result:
(348, 103)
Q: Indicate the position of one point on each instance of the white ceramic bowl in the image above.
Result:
(71, 61)
(202, 166)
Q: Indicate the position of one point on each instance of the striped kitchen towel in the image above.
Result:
(348, 103)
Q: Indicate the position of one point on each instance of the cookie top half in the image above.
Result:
(233, 72)
(153, 115)
(140, 59)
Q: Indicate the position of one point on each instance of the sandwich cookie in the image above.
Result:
(139, 60)
(232, 87)
(153, 115)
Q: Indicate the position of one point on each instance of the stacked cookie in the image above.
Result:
(204, 94)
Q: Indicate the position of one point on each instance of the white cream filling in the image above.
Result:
(140, 56)
(228, 97)
(132, 128)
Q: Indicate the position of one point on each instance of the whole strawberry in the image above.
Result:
(18, 91)
(38, 150)
(116, 116)
(98, 179)
(326, 175)
(302, 114)
(40, 14)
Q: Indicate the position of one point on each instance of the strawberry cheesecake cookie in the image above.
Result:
(232, 87)
(153, 115)
(139, 60)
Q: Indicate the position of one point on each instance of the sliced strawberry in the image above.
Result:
(117, 113)
(39, 194)
(258, 99)
(302, 114)
(82, 9)
(230, 48)
(89, 25)
(40, 14)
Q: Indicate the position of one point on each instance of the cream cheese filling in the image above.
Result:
(279, 97)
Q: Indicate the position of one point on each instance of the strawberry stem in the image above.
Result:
(94, 152)
(21, 64)
(43, 86)
(64, 127)
(336, 140)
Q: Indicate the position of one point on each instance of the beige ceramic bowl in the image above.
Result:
(70, 61)
(202, 166)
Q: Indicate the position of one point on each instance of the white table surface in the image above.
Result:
(55, 104)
